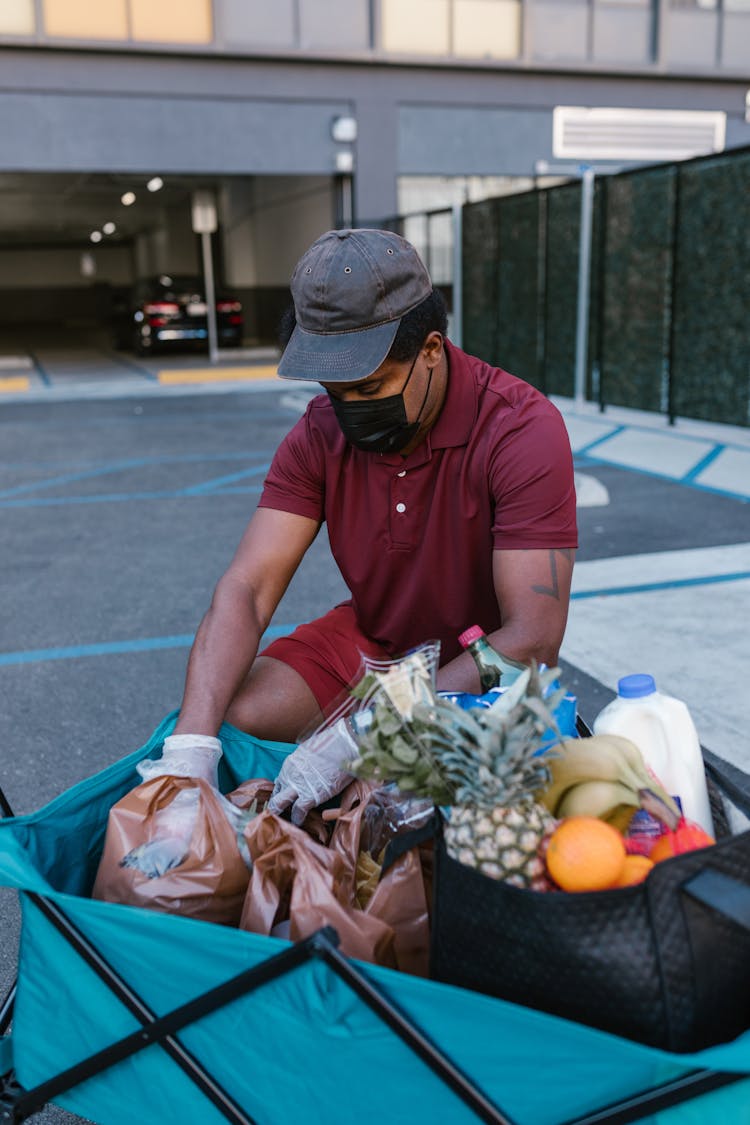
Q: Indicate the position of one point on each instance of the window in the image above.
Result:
(695, 5)
(419, 27)
(467, 28)
(17, 17)
(172, 21)
(86, 19)
(487, 28)
(162, 21)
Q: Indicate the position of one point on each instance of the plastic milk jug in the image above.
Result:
(663, 731)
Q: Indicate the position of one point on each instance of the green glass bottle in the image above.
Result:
(495, 670)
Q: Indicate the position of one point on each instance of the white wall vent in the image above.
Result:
(582, 133)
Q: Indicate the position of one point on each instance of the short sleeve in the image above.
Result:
(295, 480)
(532, 482)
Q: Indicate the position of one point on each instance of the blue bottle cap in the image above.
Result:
(633, 687)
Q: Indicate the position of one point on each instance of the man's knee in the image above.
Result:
(274, 703)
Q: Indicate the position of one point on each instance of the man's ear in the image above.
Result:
(432, 348)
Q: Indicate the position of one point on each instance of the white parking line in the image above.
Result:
(683, 616)
(590, 492)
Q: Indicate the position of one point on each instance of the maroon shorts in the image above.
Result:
(327, 653)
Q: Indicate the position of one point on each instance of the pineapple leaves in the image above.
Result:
(481, 757)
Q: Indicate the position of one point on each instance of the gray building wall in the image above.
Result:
(253, 109)
(76, 111)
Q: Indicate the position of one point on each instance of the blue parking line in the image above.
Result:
(70, 478)
(704, 462)
(672, 432)
(40, 370)
(125, 497)
(106, 469)
(130, 365)
(272, 414)
(215, 485)
(117, 648)
(589, 461)
(102, 470)
(583, 451)
(649, 587)
(163, 459)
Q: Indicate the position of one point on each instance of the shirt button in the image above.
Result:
(402, 473)
(401, 507)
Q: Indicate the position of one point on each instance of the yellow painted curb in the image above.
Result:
(14, 383)
(216, 374)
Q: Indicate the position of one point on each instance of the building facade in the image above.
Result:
(301, 114)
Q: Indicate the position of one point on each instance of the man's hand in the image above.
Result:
(314, 772)
(185, 755)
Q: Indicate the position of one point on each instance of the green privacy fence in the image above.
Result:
(668, 325)
(669, 307)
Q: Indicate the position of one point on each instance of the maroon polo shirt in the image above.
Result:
(413, 536)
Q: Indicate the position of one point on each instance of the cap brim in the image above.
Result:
(341, 357)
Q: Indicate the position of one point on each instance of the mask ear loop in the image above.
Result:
(424, 400)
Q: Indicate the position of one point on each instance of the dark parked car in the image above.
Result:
(170, 312)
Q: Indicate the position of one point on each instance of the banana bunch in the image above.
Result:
(598, 776)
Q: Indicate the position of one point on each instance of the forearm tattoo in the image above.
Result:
(553, 590)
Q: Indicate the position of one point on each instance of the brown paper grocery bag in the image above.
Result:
(399, 898)
(257, 789)
(298, 879)
(211, 881)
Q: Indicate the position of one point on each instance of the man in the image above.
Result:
(447, 487)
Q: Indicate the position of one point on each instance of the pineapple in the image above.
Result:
(483, 764)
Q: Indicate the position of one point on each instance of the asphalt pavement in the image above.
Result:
(123, 500)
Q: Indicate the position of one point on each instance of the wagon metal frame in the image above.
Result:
(17, 1104)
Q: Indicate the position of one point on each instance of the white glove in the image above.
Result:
(185, 755)
(315, 771)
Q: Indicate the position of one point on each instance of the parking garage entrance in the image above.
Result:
(80, 253)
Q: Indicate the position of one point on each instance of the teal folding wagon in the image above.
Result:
(123, 1015)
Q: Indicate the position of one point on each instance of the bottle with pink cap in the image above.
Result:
(494, 668)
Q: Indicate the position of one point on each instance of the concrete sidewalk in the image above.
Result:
(63, 373)
(681, 614)
(706, 455)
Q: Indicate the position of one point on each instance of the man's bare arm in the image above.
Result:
(533, 592)
(243, 604)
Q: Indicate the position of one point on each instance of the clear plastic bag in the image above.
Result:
(319, 768)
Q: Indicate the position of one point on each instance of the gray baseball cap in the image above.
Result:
(350, 290)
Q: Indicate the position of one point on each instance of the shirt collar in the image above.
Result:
(457, 415)
(456, 419)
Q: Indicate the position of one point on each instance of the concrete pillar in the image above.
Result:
(376, 169)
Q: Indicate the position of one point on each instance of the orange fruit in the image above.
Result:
(634, 870)
(585, 854)
(686, 837)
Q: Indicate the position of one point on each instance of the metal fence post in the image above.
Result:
(584, 282)
(457, 326)
(669, 406)
(541, 291)
(597, 374)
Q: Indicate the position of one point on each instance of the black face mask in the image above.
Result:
(381, 425)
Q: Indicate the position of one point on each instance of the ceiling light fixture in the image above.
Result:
(109, 228)
(96, 236)
(155, 184)
(127, 198)
(344, 129)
